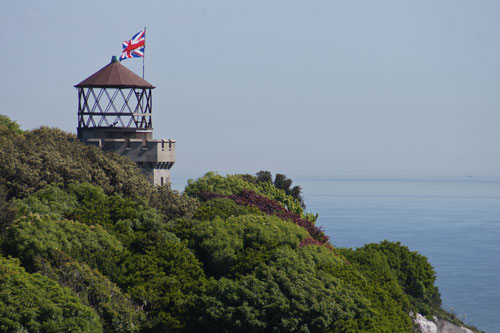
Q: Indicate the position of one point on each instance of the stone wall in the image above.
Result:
(155, 156)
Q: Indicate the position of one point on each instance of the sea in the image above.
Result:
(454, 223)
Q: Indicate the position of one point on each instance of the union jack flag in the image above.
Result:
(134, 48)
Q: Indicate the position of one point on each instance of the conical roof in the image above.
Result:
(114, 75)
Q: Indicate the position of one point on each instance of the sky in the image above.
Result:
(333, 89)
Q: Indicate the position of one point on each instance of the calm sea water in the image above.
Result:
(456, 225)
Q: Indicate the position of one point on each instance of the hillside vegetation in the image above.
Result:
(87, 244)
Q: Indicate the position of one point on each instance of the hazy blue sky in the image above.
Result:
(319, 88)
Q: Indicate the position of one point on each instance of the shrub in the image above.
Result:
(35, 303)
(44, 156)
(272, 207)
(233, 184)
(286, 294)
(410, 271)
(33, 237)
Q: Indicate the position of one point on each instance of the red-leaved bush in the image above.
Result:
(271, 207)
(309, 241)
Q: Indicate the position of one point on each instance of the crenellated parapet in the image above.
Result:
(154, 156)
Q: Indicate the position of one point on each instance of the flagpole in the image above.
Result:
(144, 55)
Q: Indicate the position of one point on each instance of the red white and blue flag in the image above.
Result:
(134, 48)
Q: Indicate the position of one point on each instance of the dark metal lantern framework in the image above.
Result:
(115, 107)
(114, 99)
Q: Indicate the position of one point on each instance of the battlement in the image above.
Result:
(155, 156)
(140, 151)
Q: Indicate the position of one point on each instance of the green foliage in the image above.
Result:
(51, 201)
(8, 210)
(272, 192)
(117, 312)
(171, 204)
(233, 184)
(379, 311)
(9, 125)
(35, 237)
(264, 176)
(236, 245)
(151, 265)
(35, 303)
(44, 156)
(213, 182)
(289, 294)
(165, 278)
(377, 284)
(262, 277)
(88, 204)
(282, 182)
(108, 251)
(410, 270)
(235, 249)
(223, 208)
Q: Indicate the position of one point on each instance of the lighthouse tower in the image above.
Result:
(115, 113)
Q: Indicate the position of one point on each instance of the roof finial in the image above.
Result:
(114, 59)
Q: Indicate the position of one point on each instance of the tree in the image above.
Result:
(401, 269)
(9, 124)
(35, 303)
(282, 182)
(264, 176)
